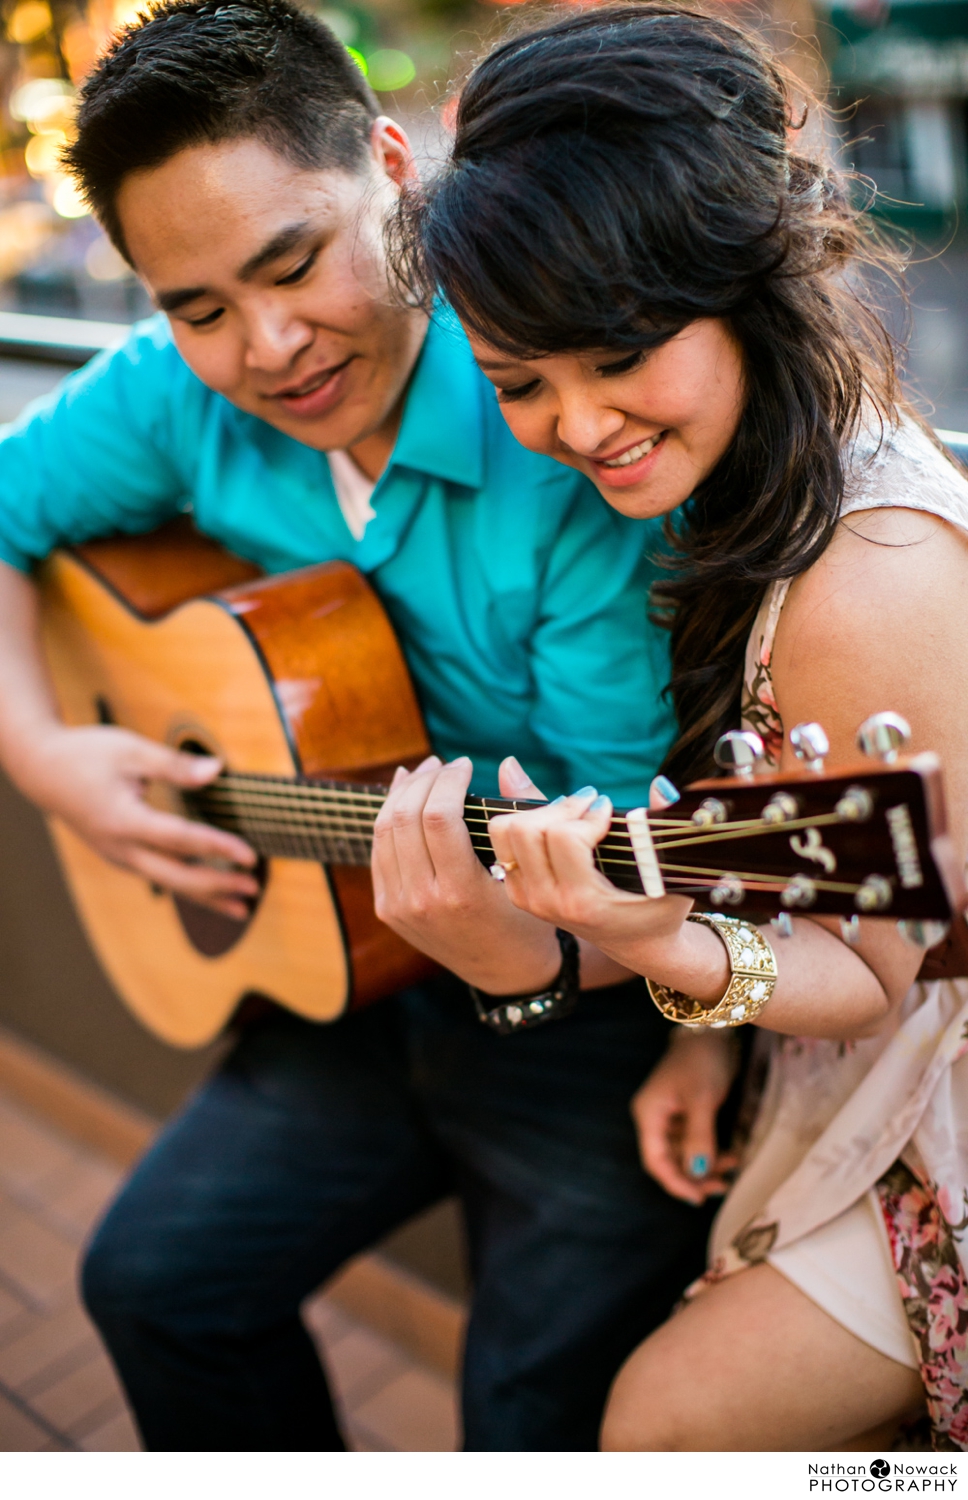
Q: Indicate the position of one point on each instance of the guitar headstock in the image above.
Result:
(865, 839)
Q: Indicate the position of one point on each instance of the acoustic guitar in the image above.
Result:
(298, 683)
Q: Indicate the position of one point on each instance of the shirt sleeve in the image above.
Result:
(99, 455)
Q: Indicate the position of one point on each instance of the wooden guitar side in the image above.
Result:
(278, 675)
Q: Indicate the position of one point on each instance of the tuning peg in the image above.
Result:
(739, 751)
(729, 890)
(882, 736)
(810, 745)
(924, 934)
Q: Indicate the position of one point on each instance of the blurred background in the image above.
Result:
(895, 75)
(82, 1087)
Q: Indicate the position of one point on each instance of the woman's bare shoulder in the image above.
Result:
(882, 563)
(877, 622)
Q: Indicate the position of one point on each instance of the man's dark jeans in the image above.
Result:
(312, 1142)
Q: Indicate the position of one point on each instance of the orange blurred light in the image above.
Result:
(29, 21)
(80, 50)
(43, 153)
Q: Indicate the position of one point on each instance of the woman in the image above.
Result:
(664, 291)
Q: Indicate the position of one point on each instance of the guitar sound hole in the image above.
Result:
(209, 932)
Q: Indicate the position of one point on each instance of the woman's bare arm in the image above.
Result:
(877, 623)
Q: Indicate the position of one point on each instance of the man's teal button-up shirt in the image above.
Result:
(519, 597)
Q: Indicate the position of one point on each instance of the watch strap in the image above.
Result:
(506, 1014)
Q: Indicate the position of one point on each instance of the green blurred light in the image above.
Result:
(390, 70)
(359, 59)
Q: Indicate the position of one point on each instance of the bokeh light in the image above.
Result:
(42, 100)
(43, 153)
(29, 21)
(103, 263)
(390, 70)
(65, 198)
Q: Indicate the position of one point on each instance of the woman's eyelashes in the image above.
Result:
(623, 366)
(517, 392)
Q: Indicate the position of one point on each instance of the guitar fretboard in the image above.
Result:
(332, 821)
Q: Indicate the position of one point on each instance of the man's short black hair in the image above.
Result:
(195, 71)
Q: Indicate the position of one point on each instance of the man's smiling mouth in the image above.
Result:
(310, 384)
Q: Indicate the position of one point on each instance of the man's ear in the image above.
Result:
(392, 151)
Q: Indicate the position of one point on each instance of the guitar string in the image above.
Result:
(306, 795)
(353, 823)
(680, 873)
(331, 800)
(671, 839)
(353, 818)
(361, 831)
(324, 802)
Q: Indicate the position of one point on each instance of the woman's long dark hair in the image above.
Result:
(616, 175)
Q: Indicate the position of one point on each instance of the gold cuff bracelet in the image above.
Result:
(752, 964)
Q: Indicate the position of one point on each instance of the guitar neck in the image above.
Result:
(327, 821)
(861, 840)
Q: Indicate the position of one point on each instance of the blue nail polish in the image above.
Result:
(557, 800)
(586, 791)
(699, 1165)
(600, 803)
(665, 789)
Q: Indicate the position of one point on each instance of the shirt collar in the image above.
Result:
(442, 430)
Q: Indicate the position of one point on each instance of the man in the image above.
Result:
(236, 156)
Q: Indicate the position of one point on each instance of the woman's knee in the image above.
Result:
(643, 1414)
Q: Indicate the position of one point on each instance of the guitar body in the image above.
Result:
(300, 674)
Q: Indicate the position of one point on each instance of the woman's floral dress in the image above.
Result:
(891, 1112)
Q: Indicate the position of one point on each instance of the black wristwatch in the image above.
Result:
(509, 1013)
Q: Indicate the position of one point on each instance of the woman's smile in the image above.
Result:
(630, 466)
(647, 430)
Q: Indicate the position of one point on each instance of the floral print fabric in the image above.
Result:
(934, 1290)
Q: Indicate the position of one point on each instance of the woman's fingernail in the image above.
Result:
(699, 1165)
(600, 803)
(557, 800)
(462, 760)
(665, 789)
(586, 791)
